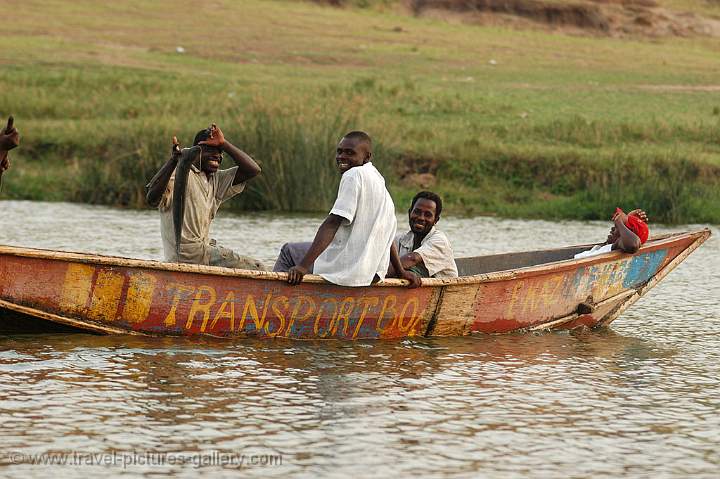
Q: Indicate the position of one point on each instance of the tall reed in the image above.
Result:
(296, 149)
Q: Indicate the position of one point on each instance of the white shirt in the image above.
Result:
(595, 250)
(203, 197)
(361, 247)
(435, 251)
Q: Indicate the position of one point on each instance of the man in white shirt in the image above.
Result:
(354, 245)
(425, 250)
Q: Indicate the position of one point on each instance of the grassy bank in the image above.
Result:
(514, 123)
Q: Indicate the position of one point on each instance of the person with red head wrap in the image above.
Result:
(629, 233)
(639, 227)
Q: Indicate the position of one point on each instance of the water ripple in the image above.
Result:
(640, 400)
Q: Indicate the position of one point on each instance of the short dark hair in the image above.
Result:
(201, 135)
(428, 195)
(359, 135)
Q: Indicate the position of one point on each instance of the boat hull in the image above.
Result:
(124, 296)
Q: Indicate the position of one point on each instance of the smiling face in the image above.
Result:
(210, 159)
(422, 216)
(351, 152)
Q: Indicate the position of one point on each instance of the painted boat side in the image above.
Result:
(115, 295)
(182, 303)
(550, 292)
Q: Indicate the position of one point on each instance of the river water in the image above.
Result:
(639, 400)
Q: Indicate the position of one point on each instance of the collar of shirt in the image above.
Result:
(195, 169)
(408, 239)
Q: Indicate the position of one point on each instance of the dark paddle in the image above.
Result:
(182, 170)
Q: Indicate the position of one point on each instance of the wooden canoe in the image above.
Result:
(494, 294)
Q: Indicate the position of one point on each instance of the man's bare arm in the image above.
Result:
(247, 168)
(408, 261)
(9, 136)
(157, 185)
(323, 238)
(9, 139)
(400, 271)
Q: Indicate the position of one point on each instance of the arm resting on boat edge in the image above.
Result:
(396, 264)
(323, 238)
(408, 261)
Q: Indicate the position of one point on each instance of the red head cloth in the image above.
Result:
(638, 226)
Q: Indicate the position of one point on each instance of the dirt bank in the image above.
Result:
(617, 18)
(605, 17)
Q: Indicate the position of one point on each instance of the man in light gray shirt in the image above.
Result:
(425, 250)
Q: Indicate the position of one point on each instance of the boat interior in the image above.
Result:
(506, 261)
(524, 259)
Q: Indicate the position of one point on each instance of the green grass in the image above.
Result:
(559, 127)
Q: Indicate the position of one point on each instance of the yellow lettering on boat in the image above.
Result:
(602, 281)
(514, 298)
(106, 295)
(316, 327)
(367, 303)
(616, 278)
(530, 301)
(139, 297)
(278, 314)
(550, 290)
(201, 307)
(180, 291)
(414, 317)
(344, 312)
(76, 287)
(387, 307)
(296, 310)
(226, 311)
(251, 307)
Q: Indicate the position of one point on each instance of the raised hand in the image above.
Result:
(639, 214)
(176, 152)
(217, 139)
(9, 136)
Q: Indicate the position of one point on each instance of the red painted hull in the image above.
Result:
(119, 295)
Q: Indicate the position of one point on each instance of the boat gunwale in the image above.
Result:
(523, 272)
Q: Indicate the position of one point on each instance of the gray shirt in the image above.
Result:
(435, 251)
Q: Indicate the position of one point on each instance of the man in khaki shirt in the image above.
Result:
(207, 188)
